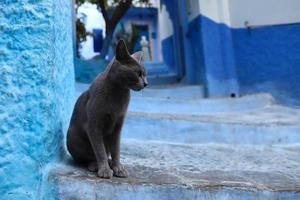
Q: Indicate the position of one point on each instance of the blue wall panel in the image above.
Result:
(167, 47)
(194, 35)
(98, 40)
(213, 43)
(269, 55)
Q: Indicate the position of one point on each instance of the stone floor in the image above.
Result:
(177, 145)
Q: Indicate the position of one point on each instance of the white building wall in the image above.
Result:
(164, 23)
(235, 13)
(217, 10)
(264, 12)
(165, 27)
(94, 20)
(193, 9)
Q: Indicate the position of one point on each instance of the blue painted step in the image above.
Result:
(177, 145)
(180, 114)
(255, 128)
(164, 171)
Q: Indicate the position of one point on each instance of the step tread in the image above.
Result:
(199, 106)
(269, 115)
(203, 166)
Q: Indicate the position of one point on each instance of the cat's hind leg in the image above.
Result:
(79, 146)
(92, 166)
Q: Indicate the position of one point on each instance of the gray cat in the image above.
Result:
(94, 132)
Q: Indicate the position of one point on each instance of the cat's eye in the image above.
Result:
(140, 73)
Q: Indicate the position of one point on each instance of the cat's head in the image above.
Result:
(127, 69)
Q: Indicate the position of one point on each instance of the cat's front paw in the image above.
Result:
(119, 171)
(105, 172)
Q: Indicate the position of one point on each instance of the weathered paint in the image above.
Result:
(36, 89)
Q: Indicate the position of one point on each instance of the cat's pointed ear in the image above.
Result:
(138, 56)
(121, 51)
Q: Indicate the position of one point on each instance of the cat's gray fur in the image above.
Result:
(94, 132)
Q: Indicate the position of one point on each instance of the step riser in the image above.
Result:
(150, 102)
(83, 190)
(180, 93)
(184, 131)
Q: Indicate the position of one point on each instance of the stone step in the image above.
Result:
(191, 103)
(270, 125)
(159, 170)
(170, 78)
(170, 92)
(178, 113)
(188, 99)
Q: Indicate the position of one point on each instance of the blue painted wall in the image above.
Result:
(194, 35)
(87, 70)
(167, 48)
(241, 61)
(207, 56)
(191, 70)
(213, 57)
(98, 40)
(36, 91)
(269, 59)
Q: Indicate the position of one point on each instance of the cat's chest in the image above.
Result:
(113, 115)
(115, 112)
(119, 102)
(109, 122)
(118, 105)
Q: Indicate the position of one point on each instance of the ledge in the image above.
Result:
(170, 171)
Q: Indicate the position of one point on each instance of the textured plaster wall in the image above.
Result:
(36, 89)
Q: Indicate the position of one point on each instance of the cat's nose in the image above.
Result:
(145, 84)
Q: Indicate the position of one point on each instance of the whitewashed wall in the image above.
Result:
(94, 20)
(193, 9)
(165, 27)
(234, 13)
(264, 12)
(164, 23)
